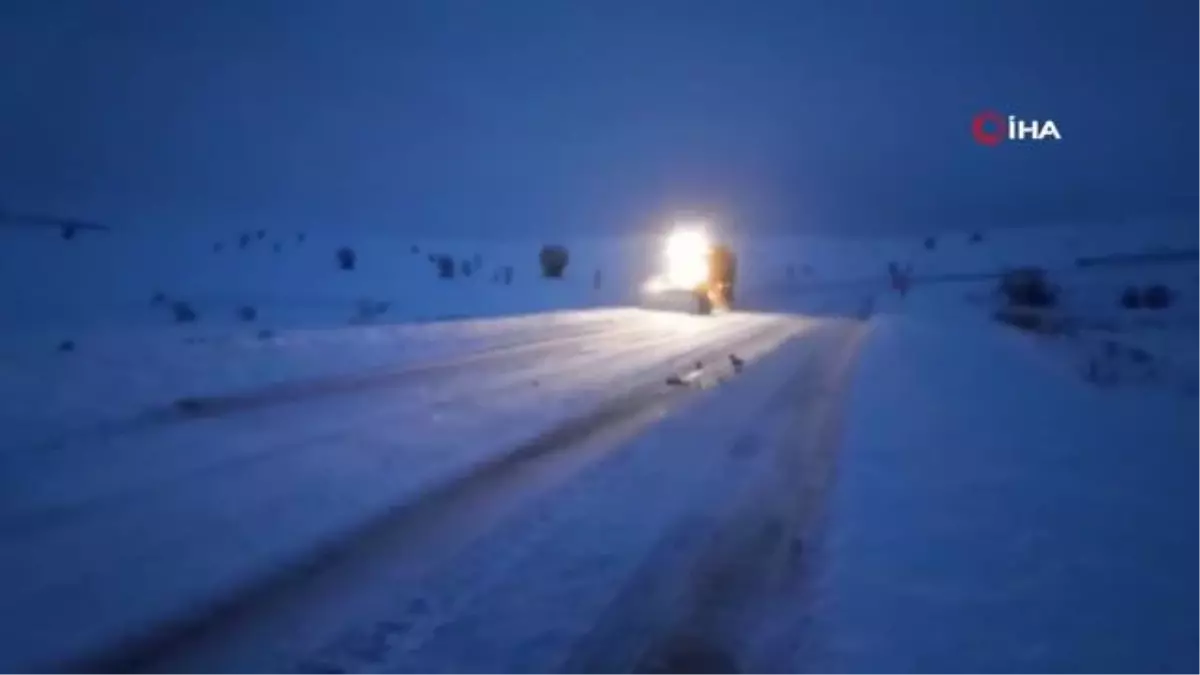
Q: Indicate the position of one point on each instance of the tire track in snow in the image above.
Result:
(632, 409)
(666, 602)
(115, 379)
(561, 373)
(502, 355)
(207, 406)
(272, 493)
(519, 600)
(759, 545)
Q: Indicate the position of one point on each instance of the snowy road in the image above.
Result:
(474, 495)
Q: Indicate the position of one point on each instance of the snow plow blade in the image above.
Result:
(676, 301)
(691, 302)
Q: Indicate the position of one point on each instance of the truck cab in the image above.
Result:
(722, 277)
(698, 275)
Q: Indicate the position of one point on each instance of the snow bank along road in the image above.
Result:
(535, 496)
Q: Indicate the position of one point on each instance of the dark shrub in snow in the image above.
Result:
(183, 312)
(1156, 297)
(976, 238)
(266, 334)
(159, 298)
(346, 258)
(554, 259)
(690, 653)
(1027, 287)
(368, 310)
(1029, 318)
(1025, 320)
(277, 247)
(1111, 349)
(414, 249)
(261, 234)
(68, 232)
(930, 243)
(1139, 355)
(66, 346)
(465, 267)
(300, 237)
(445, 267)
(247, 313)
(1131, 298)
(244, 241)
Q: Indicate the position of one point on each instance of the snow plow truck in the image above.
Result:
(699, 276)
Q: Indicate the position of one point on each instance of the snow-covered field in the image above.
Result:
(57, 289)
(508, 461)
(993, 514)
(106, 281)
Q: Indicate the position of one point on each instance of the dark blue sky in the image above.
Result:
(471, 117)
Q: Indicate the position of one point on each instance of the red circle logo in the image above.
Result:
(988, 128)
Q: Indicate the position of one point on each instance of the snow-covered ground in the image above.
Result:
(68, 289)
(992, 508)
(581, 579)
(109, 532)
(994, 515)
(106, 281)
(116, 378)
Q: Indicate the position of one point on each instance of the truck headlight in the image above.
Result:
(686, 252)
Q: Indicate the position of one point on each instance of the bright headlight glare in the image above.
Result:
(686, 254)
